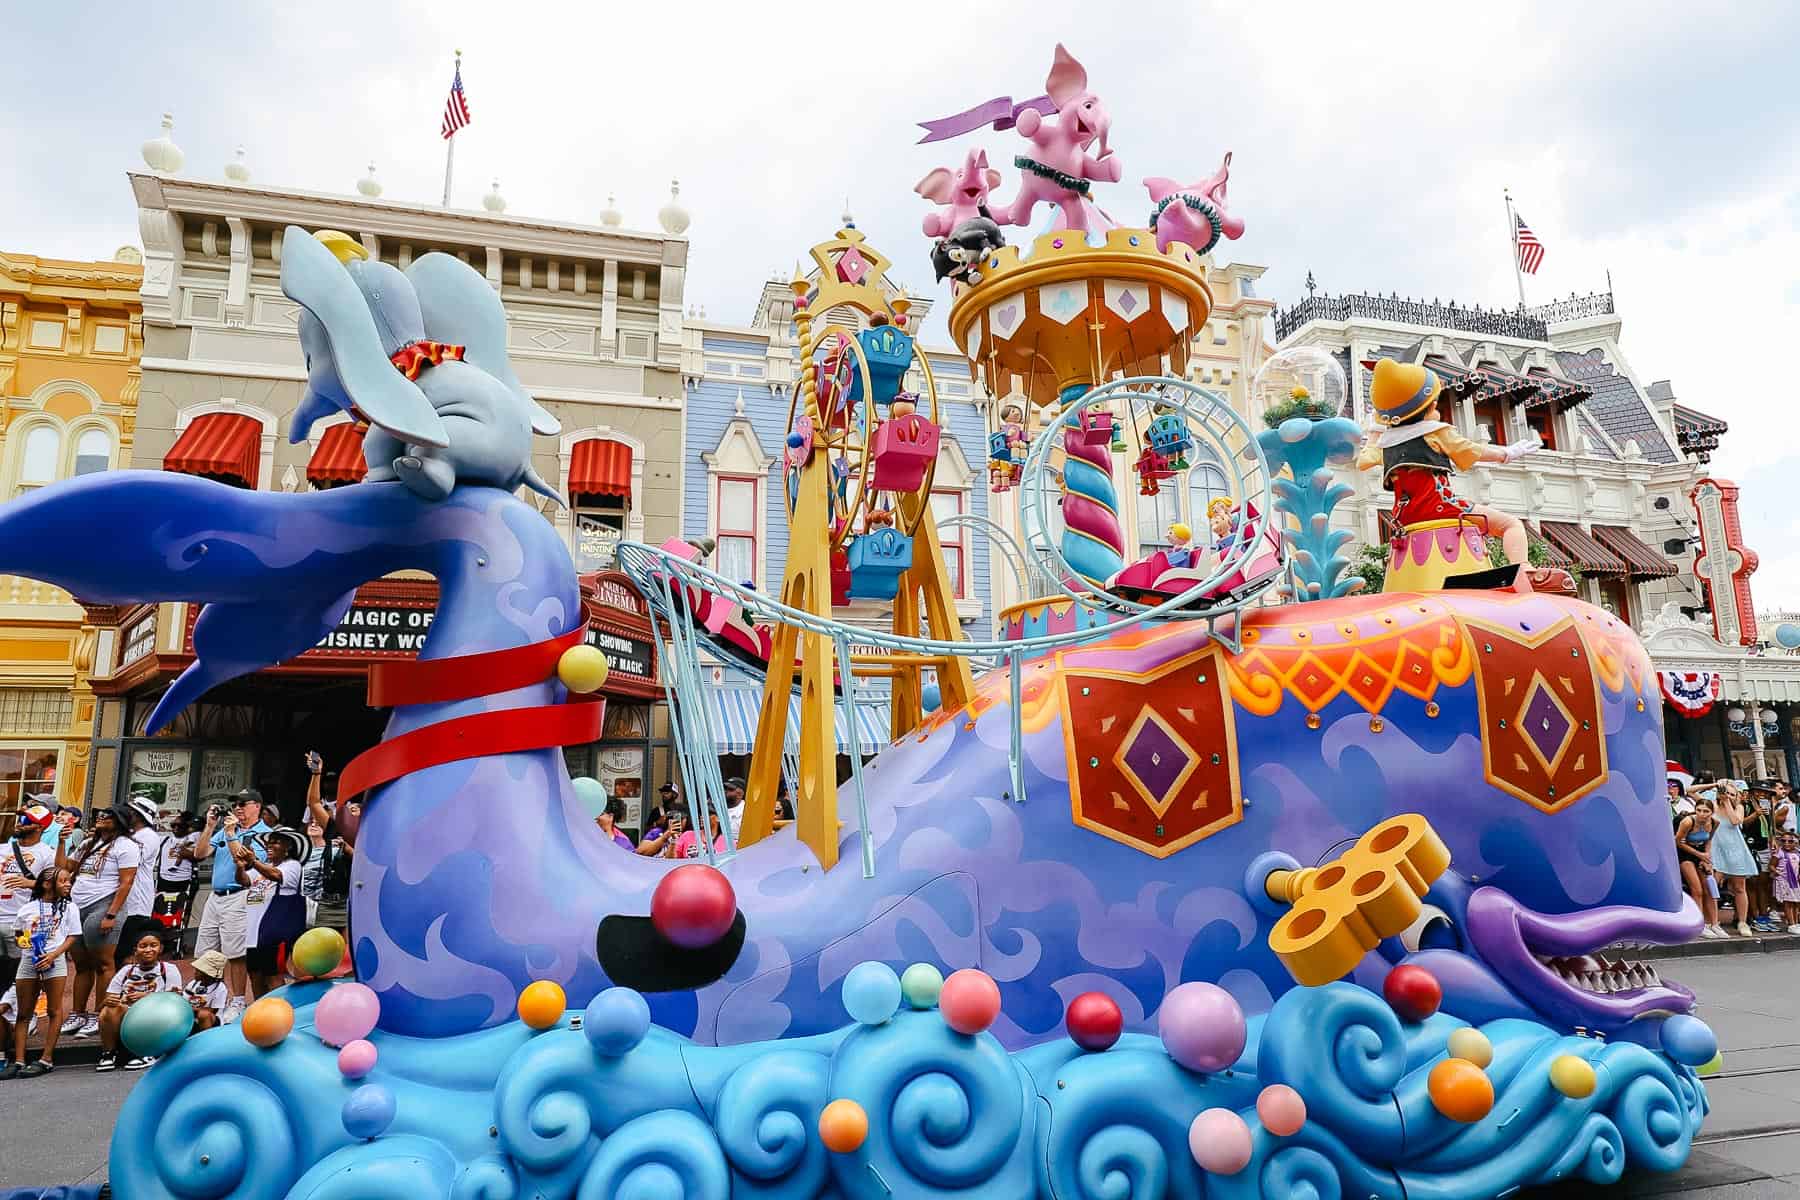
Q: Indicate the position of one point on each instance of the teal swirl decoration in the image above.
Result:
(1341, 1047)
(659, 1156)
(411, 1166)
(490, 1177)
(1104, 1143)
(508, 1113)
(1306, 446)
(948, 1114)
(766, 1116)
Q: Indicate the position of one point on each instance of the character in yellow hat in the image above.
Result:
(1416, 450)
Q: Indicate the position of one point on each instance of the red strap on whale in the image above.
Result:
(508, 731)
(466, 676)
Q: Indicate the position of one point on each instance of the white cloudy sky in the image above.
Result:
(1659, 141)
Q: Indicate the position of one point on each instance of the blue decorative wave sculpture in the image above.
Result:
(506, 1112)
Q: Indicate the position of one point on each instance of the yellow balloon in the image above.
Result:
(1573, 1076)
(541, 1004)
(318, 951)
(1471, 1044)
(1712, 1067)
(582, 669)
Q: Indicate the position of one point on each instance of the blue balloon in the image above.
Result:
(157, 1024)
(616, 1021)
(1689, 1040)
(795, 441)
(369, 1111)
(591, 793)
(871, 992)
(930, 698)
(1787, 635)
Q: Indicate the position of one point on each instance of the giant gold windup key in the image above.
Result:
(1342, 909)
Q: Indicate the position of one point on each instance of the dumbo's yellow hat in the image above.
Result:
(1402, 390)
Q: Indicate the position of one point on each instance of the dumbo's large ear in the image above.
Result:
(1068, 78)
(935, 187)
(312, 276)
(460, 306)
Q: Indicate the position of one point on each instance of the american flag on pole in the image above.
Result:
(1525, 242)
(456, 108)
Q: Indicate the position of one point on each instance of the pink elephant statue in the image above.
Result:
(963, 191)
(1195, 215)
(1059, 167)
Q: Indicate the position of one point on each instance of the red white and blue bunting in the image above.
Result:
(1691, 693)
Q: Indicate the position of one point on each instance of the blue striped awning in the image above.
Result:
(734, 711)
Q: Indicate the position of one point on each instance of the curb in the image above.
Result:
(1764, 943)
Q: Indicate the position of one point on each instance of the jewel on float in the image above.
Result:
(1202, 1027)
(871, 993)
(920, 984)
(1573, 1076)
(616, 1021)
(1412, 992)
(1472, 1045)
(1281, 1110)
(1460, 1090)
(1220, 1142)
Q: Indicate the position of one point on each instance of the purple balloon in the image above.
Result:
(1202, 1027)
(356, 1059)
(345, 1013)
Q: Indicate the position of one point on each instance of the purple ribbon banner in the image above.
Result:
(1000, 113)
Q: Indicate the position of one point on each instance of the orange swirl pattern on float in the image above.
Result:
(1369, 648)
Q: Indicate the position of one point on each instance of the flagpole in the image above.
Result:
(450, 146)
(1512, 232)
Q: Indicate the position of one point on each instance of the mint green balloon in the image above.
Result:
(157, 1024)
(921, 984)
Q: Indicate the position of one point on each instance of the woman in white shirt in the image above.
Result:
(48, 925)
(274, 909)
(105, 868)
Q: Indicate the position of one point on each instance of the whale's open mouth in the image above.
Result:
(1553, 961)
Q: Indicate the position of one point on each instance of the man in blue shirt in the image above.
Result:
(222, 921)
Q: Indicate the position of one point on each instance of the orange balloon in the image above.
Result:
(1460, 1090)
(541, 1004)
(843, 1126)
(266, 1022)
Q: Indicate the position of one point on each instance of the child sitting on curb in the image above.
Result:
(144, 975)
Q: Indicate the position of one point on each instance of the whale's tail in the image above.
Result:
(276, 570)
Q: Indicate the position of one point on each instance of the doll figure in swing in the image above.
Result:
(1416, 450)
(1006, 449)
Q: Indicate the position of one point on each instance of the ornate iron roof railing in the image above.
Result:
(1575, 308)
(1434, 315)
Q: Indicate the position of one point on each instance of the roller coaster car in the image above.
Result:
(905, 447)
(890, 354)
(1153, 580)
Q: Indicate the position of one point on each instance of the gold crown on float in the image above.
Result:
(850, 272)
(1065, 256)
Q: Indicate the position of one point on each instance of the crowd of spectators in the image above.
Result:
(1739, 850)
(95, 918)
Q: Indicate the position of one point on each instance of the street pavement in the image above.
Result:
(56, 1128)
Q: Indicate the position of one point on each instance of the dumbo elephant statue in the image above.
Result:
(1059, 167)
(420, 355)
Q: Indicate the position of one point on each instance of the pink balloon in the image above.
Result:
(1281, 1110)
(1202, 1027)
(345, 1013)
(1220, 1141)
(970, 1000)
(357, 1059)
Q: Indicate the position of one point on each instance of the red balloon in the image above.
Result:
(693, 906)
(1412, 992)
(969, 1001)
(1094, 1021)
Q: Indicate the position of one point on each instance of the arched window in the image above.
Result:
(37, 465)
(93, 452)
